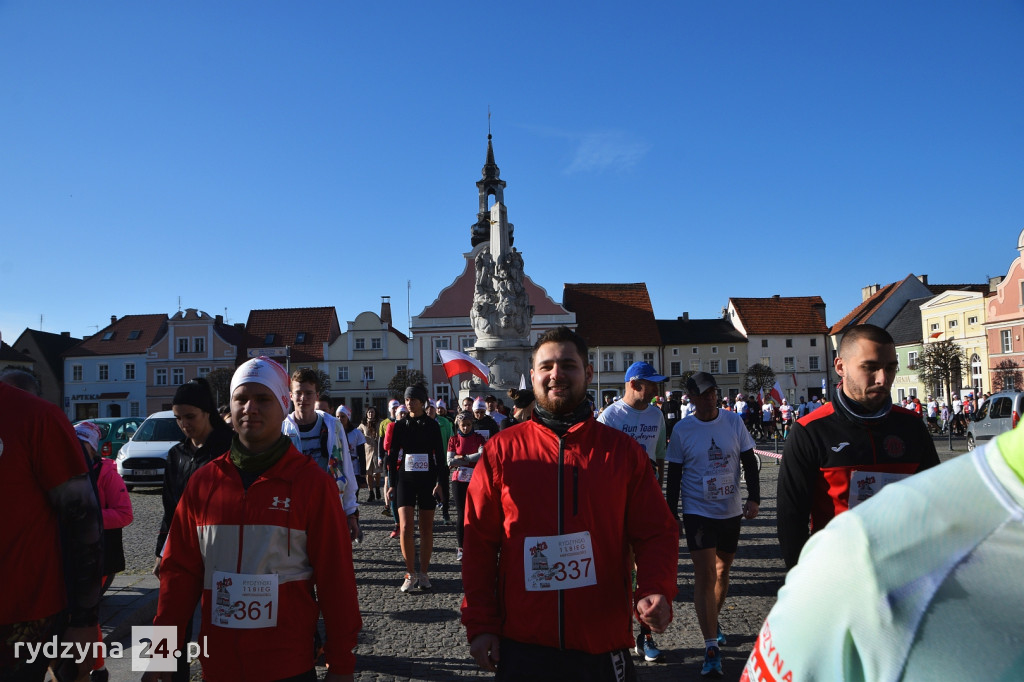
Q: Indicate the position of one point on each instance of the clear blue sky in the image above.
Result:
(255, 154)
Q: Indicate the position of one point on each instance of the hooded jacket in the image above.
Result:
(337, 446)
(608, 488)
(289, 522)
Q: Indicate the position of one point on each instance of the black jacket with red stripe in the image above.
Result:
(823, 450)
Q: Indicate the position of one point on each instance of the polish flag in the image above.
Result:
(776, 393)
(456, 363)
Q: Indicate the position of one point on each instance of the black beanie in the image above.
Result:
(197, 394)
(418, 392)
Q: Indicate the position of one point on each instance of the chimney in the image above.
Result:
(868, 291)
(685, 317)
(924, 279)
(775, 296)
(820, 309)
(113, 319)
(218, 320)
(66, 335)
(994, 282)
(385, 310)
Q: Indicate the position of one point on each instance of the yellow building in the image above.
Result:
(959, 316)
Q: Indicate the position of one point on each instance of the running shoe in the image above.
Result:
(409, 583)
(646, 647)
(394, 534)
(722, 641)
(712, 663)
(458, 554)
(424, 582)
(385, 511)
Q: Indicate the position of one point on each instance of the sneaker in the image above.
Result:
(409, 583)
(424, 582)
(385, 511)
(447, 519)
(722, 641)
(646, 647)
(394, 534)
(458, 554)
(712, 663)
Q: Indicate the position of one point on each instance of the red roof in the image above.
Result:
(456, 300)
(318, 325)
(864, 310)
(131, 335)
(612, 314)
(781, 315)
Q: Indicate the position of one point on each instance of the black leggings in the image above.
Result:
(460, 509)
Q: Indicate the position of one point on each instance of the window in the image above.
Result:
(590, 359)
(976, 376)
(912, 360)
(76, 372)
(160, 377)
(607, 362)
(133, 409)
(972, 320)
(714, 350)
(199, 344)
(300, 337)
(789, 364)
(1022, 293)
(108, 336)
(400, 368)
(375, 343)
(1004, 338)
(732, 366)
(767, 362)
(913, 392)
(132, 336)
(178, 376)
(953, 324)
(440, 343)
(466, 342)
(103, 372)
(360, 344)
(343, 374)
(676, 369)
(627, 360)
(732, 349)
(812, 363)
(935, 326)
(183, 345)
(694, 365)
(129, 371)
(368, 373)
(442, 392)
(789, 343)
(649, 358)
(901, 394)
(675, 351)
(695, 350)
(268, 340)
(814, 342)
(715, 366)
(202, 372)
(764, 343)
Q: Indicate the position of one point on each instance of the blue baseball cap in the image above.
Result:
(642, 370)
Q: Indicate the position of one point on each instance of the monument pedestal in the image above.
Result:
(508, 361)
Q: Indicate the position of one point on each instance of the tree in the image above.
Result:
(220, 385)
(404, 378)
(942, 364)
(759, 377)
(682, 379)
(1007, 376)
(324, 379)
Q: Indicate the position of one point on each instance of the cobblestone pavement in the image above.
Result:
(418, 636)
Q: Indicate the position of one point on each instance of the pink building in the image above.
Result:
(1004, 313)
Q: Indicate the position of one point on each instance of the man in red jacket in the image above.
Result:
(256, 530)
(553, 508)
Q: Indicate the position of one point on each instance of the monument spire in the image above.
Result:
(489, 185)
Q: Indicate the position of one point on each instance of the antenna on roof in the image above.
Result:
(226, 315)
(179, 304)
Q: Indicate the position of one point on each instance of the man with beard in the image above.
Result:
(552, 510)
(846, 451)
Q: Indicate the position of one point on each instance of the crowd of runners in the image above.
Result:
(568, 523)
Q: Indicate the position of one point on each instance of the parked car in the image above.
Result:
(115, 432)
(999, 414)
(142, 459)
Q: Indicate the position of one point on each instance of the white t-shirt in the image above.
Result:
(766, 412)
(710, 455)
(646, 427)
(741, 407)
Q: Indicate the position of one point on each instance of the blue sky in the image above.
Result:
(252, 154)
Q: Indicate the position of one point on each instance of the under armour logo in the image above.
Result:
(286, 503)
(837, 448)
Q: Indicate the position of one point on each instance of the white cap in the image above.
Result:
(263, 370)
(479, 404)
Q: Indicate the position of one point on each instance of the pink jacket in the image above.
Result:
(114, 499)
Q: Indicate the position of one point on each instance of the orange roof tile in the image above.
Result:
(781, 315)
(866, 307)
(131, 335)
(612, 314)
(319, 325)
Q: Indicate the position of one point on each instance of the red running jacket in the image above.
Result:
(289, 522)
(608, 489)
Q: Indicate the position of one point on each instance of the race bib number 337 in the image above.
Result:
(559, 562)
(244, 601)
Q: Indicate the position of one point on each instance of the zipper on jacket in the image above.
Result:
(561, 530)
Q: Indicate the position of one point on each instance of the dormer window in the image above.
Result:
(268, 340)
(300, 337)
(134, 334)
(108, 336)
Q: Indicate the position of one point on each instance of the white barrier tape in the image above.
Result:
(766, 453)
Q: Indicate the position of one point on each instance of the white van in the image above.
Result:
(141, 460)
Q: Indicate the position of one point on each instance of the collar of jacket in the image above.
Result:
(561, 424)
(846, 406)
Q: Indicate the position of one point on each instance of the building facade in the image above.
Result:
(1004, 326)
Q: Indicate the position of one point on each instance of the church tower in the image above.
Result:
(490, 185)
